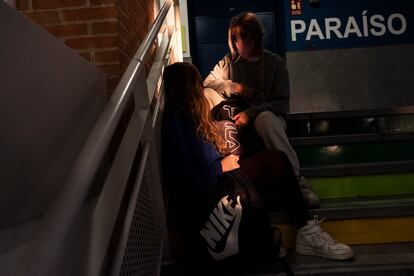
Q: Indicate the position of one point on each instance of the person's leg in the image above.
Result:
(213, 97)
(271, 171)
(268, 167)
(272, 130)
(272, 174)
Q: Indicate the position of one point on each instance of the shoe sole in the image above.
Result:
(313, 252)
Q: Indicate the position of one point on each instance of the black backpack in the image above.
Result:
(238, 224)
(237, 233)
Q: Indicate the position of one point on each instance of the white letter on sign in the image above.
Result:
(332, 27)
(403, 23)
(294, 30)
(375, 21)
(314, 29)
(352, 27)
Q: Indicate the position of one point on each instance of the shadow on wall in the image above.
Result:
(50, 98)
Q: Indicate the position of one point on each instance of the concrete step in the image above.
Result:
(350, 139)
(358, 208)
(343, 114)
(273, 267)
(364, 186)
(364, 220)
(360, 152)
(393, 259)
(354, 169)
(392, 120)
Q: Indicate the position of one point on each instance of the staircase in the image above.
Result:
(361, 164)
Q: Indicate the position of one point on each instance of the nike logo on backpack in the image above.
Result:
(222, 229)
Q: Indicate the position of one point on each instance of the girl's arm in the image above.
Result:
(218, 79)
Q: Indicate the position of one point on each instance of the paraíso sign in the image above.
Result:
(333, 27)
(347, 24)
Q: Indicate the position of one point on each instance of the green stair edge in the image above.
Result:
(363, 185)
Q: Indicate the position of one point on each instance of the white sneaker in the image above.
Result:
(312, 240)
(311, 199)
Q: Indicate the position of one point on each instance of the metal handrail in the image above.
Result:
(41, 254)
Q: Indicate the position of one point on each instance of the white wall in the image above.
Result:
(184, 24)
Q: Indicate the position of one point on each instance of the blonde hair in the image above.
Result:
(184, 91)
(241, 26)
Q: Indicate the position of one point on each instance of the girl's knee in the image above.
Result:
(279, 157)
(267, 120)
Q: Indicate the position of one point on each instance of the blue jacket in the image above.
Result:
(191, 166)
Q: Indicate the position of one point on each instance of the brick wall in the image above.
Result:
(105, 32)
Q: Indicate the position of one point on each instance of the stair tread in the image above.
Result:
(375, 259)
(358, 168)
(352, 113)
(351, 122)
(350, 138)
(358, 208)
(365, 201)
(367, 152)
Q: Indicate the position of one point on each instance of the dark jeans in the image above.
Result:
(271, 173)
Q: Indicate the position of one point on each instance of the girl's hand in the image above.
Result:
(230, 162)
(243, 90)
(237, 88)
(241, 119)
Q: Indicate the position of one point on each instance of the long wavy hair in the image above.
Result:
(242, 26)
(183, 88)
